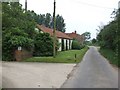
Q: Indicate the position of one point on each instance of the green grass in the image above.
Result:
(62, 57)
(110, 55)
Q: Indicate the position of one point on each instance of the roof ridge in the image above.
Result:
(59, 34)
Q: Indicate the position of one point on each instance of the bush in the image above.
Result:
(110, 55)
(75, 45)
(11, 40)
(43, 45)
(82, 46)
(108, 36)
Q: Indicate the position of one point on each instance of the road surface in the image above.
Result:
(93, 72)
(34, 74)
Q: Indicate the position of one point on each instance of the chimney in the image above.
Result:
(75, 32)
(25, 5)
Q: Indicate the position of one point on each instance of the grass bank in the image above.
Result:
(62, 57)
(110, 55)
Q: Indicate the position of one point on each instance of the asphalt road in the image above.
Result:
(93, 72)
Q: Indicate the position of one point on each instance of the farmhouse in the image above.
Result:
(64, 40)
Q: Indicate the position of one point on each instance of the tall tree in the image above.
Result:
(60, 25)
(48, 19)
(94, 41)
(41, 19)
(87, 35)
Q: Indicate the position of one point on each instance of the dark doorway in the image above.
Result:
(69, 44)
(63, 45)
(66, 45)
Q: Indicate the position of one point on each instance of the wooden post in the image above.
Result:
(54, 29)
(25, 5)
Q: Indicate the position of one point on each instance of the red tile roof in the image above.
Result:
(72, 35)
(50, 31)
(78, 37)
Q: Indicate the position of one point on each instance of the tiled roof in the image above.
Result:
(80, 38)
(50, 31)
(72, 35)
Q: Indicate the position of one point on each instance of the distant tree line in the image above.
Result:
(47, 20)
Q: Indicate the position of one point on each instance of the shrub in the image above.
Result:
(11, 40)
(82, 46)
(43, 45)
(110, 55)
(75, 44)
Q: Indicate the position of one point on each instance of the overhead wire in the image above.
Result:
(92, 5)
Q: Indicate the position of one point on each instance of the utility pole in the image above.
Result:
(119, 5)
(25, 5)
(118, 33)
(54, 31)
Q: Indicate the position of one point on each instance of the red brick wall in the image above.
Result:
(22, 54)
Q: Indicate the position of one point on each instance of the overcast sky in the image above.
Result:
(79, 15)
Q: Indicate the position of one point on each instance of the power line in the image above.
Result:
(93, 5)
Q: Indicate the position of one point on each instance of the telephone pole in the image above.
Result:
(54, 31)
(25, 5)
(119, 5)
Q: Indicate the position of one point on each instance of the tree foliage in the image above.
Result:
(108, 36)
(47, 20)
(87, 35)
(60, 25)
(94, 41)
(17, 29)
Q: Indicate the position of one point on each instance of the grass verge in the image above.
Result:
(110, 55)
(62, 57)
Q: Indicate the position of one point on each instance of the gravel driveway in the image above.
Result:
(34, 75)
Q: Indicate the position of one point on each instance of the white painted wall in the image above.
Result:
(68, 41)
(65, 44)
(71, 44)
(68, 44)
(60, 42)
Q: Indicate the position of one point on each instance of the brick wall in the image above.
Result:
(22, 54)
